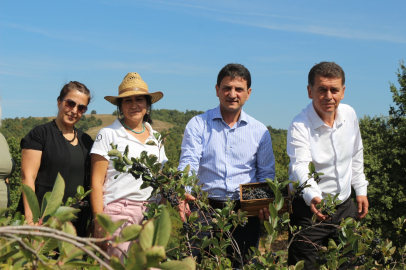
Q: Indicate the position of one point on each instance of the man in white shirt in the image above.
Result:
(327, 134)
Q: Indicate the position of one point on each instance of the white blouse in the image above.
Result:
(125, 186)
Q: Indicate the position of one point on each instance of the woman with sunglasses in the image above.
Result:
(120, 195)
(58, 147)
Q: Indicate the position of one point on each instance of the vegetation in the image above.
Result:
(53, 243)
(384, 141)
(93, 112)
(365, 243)
(19, 127)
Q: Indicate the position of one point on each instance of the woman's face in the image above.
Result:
(134, 108)
(69, 115)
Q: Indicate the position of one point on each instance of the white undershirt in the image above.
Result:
(335, 151)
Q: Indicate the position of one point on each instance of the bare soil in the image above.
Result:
(279, 244)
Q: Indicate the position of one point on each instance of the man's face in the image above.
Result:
(232, 93)
(326, 94)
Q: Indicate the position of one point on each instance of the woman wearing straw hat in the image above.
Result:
(121, 196)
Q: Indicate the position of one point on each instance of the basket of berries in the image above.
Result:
(257, 196)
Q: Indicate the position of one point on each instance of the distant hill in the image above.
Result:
(108, 119)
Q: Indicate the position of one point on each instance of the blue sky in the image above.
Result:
(178, 47)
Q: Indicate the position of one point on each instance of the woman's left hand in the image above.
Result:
(98, 232)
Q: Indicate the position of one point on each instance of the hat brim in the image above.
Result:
(155, 97)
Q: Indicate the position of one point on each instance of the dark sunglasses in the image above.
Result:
(72, 104)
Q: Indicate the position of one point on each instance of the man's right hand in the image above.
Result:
(315, 201)
(183, 207)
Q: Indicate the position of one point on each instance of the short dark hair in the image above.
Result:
(326, 69)
(74, 85)
(147, 116)
(234, 70)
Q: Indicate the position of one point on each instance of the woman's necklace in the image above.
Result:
(143, 127)
(74, 137)
(74, 133)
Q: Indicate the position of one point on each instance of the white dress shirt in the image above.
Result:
(335, 151)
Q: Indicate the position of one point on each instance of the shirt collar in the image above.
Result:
(318, 122)
(217, 115)
(118, 127)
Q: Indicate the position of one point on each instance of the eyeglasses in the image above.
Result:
(72, 104)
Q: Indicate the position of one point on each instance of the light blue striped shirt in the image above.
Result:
(225, 157)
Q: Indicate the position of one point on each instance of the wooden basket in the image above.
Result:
(253, 206)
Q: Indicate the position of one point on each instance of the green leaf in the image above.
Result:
(216, 251)
(45, 201)
(176, 265)
(162, 229)
(151, 142)
(107, 224)
(155, 255)
(272, 211)
(130, 233)
(147, 235)
(193, 217)
(268, 227)
(190, 262)
(80, 190)
(116, 264)
(32, 201)
(65, 213)
(56, 197)
(157, 135)
(312, 169)
(186, 170)
(299, 265)
(341, 261)
(136, 257)
(332, 244)
(279, 200)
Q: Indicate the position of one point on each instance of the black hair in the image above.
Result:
(147, 116)
(234, 70)
(326, 69)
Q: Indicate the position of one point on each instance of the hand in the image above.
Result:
(363, 204)
(264, 214)
(315, 201)
(99, 233)
(184, 208)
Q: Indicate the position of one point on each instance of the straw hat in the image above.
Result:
(133, 85)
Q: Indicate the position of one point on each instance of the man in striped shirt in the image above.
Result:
(226, 148)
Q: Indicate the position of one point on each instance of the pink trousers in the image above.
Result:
(131, 211)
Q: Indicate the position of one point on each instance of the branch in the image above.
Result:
(58, 237)
(19, 240)
(88, 241)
